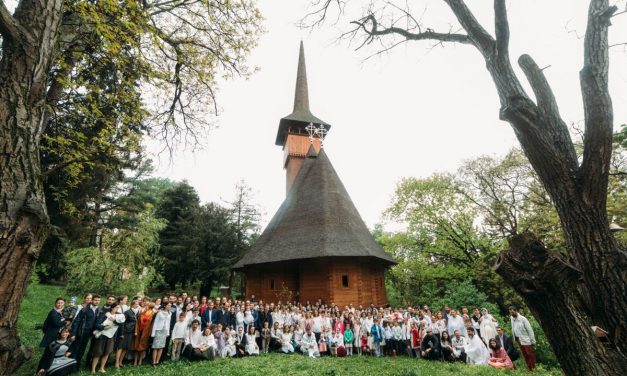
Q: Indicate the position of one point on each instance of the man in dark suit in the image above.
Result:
(210, 315)
(83, 326)
(506, 343)
(263, 317)
(223, 315)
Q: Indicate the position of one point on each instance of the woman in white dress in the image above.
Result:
(252, 348)
(229, 350)
(286, 340)
(476, 352)
(487, 326)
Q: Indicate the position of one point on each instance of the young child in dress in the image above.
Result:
(348, 339)
(363, 345)
(265, 336)
(322, 343)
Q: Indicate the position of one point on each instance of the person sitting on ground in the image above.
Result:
(251, 344)
(459, 344)
(447, 347)
(193, 342)
(337, 341)
(56, 359)
(499, 357)
(430, 346)
(476, 352)
(309, 345)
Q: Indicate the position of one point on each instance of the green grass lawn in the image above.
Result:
(38, 300)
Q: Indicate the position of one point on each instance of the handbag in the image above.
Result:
(322, 347)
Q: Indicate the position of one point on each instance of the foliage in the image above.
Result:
(200, 243)
(180, 240)
(124, 262)
(219, 249)
(125, 70)
(442, 242)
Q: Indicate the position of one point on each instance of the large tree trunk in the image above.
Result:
(27, 52)
(548, 283)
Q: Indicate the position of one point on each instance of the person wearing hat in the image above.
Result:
(69, 311)
(430, 346)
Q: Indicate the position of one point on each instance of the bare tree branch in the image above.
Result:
(480, 37)
(9, 27)
(540, 86)
(501, 27)
(597, 104)
(375, 31)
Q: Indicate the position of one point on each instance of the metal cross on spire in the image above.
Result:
(312, 130)
(322, 132)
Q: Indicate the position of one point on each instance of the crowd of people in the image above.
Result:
(172, 327)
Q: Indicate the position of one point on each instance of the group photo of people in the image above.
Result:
(118, 331)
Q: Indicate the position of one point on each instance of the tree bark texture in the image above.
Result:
(568, 294)
(29, 39)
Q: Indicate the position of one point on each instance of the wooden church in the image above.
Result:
(316, 246)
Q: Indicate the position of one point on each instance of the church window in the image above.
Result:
(345, 280)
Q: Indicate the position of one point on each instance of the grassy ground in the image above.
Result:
(38, 300)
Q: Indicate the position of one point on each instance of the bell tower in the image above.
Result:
(292, 134)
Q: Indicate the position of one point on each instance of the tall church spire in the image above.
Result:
(301, 96)
(301, 115)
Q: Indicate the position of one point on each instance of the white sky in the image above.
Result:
(409, 113)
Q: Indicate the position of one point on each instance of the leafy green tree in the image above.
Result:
(180, 240)
(220, 247)
(53, 56)
(125, 261)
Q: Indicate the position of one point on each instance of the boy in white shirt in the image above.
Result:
(178, 336)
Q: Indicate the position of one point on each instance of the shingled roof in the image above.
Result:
(317, 219)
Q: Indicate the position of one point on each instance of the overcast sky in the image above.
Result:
(411, 112)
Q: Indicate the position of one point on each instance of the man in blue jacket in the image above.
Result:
(83, 326)
(209, 316)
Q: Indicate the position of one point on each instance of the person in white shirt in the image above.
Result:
(487, 326)
(476, 352)
(178, 337)
(251, 343)
(207, 346)
(229, 350)
(309, 344)
(523, 334)
(286, 340)
(160, 331)
(456, 322)
(459, 344)
(337, 341)
(193, 340)
(318, 325)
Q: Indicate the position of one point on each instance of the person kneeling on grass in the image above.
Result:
(430, 346)
(309, 345)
